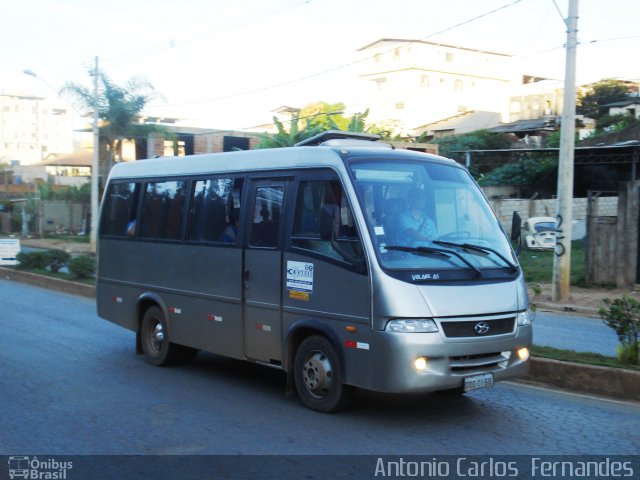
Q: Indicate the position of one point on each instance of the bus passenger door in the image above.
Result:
(262, 273)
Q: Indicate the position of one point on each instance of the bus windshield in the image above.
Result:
(430, 217)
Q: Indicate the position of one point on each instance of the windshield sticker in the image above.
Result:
(300, 276)
(425, 276)
(379, 230)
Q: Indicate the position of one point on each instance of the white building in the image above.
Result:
(416, 82)
(536, 98)
(32, 127)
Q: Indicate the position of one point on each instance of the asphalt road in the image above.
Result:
(71, 384)
(574, 332)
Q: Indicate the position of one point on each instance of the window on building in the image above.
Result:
(399, 105)
(424, 81)
(380, 82)
(448, 57)
(457, 85)
(231, 144)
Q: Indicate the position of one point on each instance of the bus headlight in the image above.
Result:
(523, 354)
(422, 325)
(526, 317)
(420, 363)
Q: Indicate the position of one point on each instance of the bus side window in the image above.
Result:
(318, 202)
(120, 208)
(266, 216)
(162, 211)
(215, 207)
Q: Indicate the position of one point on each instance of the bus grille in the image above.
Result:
(481, 362)
(475, 329)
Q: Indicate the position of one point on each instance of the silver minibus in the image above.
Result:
(342, 261)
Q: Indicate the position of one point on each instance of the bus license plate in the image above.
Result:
(478, 381)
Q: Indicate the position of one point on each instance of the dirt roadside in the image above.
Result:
(583, 301)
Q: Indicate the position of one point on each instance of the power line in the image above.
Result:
(233, 25)
(339, 67)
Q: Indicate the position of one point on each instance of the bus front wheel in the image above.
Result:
(154, 338)
(318, 377)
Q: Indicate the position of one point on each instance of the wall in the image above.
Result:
(504, 208)
(63, 216)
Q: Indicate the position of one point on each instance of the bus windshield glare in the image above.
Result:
(430, 217)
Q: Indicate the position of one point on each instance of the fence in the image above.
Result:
(612, 247)
(44, 217)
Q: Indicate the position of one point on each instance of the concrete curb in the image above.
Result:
(43, 281)
(577, 309)
(615, 383)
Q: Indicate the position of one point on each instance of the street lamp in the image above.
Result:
(94, 163)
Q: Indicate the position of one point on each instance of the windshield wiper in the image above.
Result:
(441, 252)
(477, 248)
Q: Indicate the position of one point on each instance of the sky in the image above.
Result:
(229, 63)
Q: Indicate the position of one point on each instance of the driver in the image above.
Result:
(415, 227)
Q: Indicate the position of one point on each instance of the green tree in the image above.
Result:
(329, 116)
(478, 140)
(591, 99)
(298, 131)
(118, 109)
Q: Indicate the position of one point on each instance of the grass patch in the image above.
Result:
(580, 357)
(69, 238)
(60, 276)
(538, 266)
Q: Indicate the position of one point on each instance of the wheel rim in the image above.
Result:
(156, 337)
(317, 374)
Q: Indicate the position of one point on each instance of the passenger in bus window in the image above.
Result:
(131, 228)
(415, 227)
(230, 234)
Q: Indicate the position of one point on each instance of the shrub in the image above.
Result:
(82, 267)
(623, 315)
(32, 260)
(56, 259)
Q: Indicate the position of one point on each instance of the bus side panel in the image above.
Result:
(200, 286)
(336, 297)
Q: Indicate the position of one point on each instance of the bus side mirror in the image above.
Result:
(516, 226)
(516, 231)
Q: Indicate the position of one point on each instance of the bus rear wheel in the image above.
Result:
(318, 377)
(154, 338)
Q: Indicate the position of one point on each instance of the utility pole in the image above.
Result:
(95, 173)
(562, 257)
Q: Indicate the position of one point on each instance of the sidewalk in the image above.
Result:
(583, 301)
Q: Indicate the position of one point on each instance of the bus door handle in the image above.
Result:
(246, 275)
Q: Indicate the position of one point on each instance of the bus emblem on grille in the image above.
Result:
(481, 328)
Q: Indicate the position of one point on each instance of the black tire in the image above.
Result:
(154, 339)
(318, 376)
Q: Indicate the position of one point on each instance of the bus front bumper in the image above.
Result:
(424, 362)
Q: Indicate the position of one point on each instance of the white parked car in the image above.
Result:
(539, 233)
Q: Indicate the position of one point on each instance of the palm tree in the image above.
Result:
(118, 109)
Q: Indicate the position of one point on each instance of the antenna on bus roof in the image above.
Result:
(336, 135)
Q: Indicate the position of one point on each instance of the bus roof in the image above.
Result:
(258, 160)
